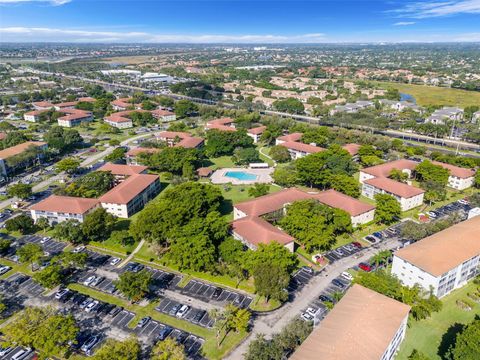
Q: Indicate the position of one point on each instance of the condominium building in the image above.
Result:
(7, 167)
(441, 262)
(363, 325)
(57, 209)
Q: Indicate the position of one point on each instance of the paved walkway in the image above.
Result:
(129, 257)
(273, 323)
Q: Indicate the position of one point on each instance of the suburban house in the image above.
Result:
(222, 124)
(352, 107)
(181, 139)
(442, 262)
(61, 208)
(441, 116)
(459, 178)
(131, 155)
(250, 228)
(363, 325)
(400, 105)
(164, 115)
(130, 195)
(8, 153)
(375, 180)
(256, 132)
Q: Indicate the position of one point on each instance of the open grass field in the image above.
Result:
(433, 95)
(434, 335)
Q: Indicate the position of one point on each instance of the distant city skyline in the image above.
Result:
(234, 21)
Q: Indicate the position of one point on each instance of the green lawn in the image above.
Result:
(432, 336)
(433, 95)
(222, 162)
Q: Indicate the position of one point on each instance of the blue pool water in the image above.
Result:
(241, 175)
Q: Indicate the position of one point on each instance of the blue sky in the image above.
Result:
(239, 21)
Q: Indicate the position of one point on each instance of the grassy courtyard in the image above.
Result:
(434, 335)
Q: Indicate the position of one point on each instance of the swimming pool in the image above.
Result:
(241, 175)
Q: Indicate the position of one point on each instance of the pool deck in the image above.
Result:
(263, 176)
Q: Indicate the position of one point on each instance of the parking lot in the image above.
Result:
(342, 252)
(161, 279)
(23, 284)
(195, 316)
(52, 247)
(300, 279)
(17, 350)
(317, 310)
(207, 292)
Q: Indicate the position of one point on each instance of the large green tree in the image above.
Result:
(119, 350)
(135, 286)
(98, 225)
(168, 349)
(20, 190)
(388, 209)
(467, 342)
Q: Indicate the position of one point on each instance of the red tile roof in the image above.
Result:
(190, 142)
(360, 326)
(338, 200)
(160, 113)
(128, 189)
(257, 130)
(65, 204)
(298, 146)
(119, 169)
(171, 135)
(271, 202)
(44, 104)
(20, 148)
(291, 137)
(352, 148)
(122, 116)
(258, 231)
(384, 170)
(186, 140)
(457, 171)
(221, 121)
(66, 104)
(394, 187)
(204, 171)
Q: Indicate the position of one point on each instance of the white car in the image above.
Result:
(306, 316)
(44, 240)
(4, 269)
(463, 202)
(78, 249)
(91, 306)
(61, 294)
(22, 354)
(115, 261)
(347, 275)
(311, 311)
(89, 280)
(183, 311)
(431, 214)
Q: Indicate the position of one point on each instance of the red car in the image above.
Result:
(357, 244)
(365, 267)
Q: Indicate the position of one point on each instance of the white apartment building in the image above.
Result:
(57, 209)
(131, 195)
(119, 122)
(256, 133)
(363, 325)
(164, 115)
(442, 262)
(408, 196)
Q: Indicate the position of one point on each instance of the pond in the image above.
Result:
(407, 97)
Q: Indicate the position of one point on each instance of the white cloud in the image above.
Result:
(64, 35)
(473, 37)
(428, 9)
(404, 23)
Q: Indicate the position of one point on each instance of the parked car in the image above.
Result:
(85, 303)
(365, 267)
(6, 350)
(371, 239)
(115, 261)
(311, 311)
(44, 240)
(307, 317)
(144, 321)
(162, 335)
(173, 311)
(90, 307)
(89, 280)
(115, 311)
(357, 244)
(22, 354)
(97, 281)
(89, 344)
(217, 293)
(183, 311)
(324, 298)
(78, 249)
(60, 294)
(198, 316)
(4, 269)
(346, 275)
(338, 283)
